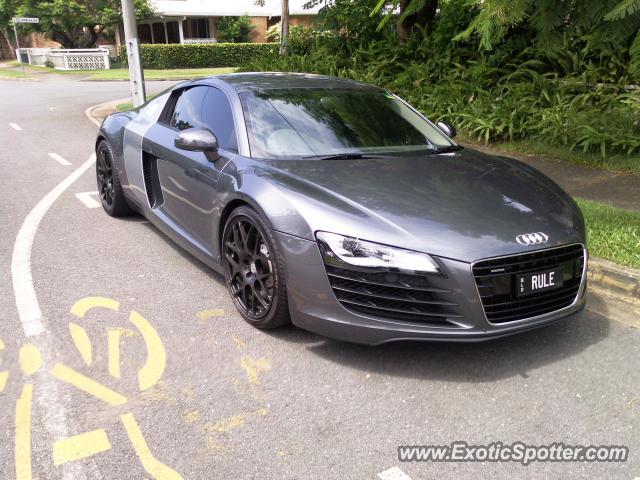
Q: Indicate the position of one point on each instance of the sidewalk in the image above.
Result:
(619, 189)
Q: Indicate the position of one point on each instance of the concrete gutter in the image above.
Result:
(616, 280)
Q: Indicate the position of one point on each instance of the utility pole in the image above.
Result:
(284, 26)
(136, 75)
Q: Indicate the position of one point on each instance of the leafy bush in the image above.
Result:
(302, 39)
(165, 56)
(234, 29)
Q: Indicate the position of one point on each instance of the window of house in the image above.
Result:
(196, 28)
(173, 32)
(158, 33)
(144, 33)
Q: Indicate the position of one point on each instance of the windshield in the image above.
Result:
(317, 122)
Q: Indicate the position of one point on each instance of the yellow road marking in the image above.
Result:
(113, 344)
(82, 306)
(227, 424)
(211, 313)
(191, 417)
(70, 376)
(3, 380)
(240, 345)
(80, 446)
(151, 465)
(82, 342)
(29, 359)
(23, 434)
(153, 368)
(253, 368)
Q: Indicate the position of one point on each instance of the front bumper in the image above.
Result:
(314, 307)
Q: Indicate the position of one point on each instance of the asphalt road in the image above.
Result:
(210, 397)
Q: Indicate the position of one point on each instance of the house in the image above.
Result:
(194, 21)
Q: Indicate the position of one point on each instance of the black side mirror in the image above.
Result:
(448, 129)
(198, 140)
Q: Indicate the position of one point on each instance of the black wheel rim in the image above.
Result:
(105, 177)
(249, 268)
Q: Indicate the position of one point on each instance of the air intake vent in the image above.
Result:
(395, 296)
(496, 282)
(151, 181)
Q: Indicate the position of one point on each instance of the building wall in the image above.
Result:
(306, 20)
(259, 32)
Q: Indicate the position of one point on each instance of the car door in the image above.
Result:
(185, 182)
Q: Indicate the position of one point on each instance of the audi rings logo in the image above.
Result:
(535, 238)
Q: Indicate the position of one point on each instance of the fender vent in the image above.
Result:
(151, 180)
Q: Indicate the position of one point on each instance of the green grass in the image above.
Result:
(123, 74)
(122, 107)
(115, 73)
(11, 73)
(613, 233)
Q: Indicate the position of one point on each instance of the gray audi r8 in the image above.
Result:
(338, 207)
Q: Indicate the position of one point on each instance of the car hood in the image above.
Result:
(463, 205)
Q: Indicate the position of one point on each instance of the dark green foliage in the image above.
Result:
(234, 29)
(570, 89)
(164, 56)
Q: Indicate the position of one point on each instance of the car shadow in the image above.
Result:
(511, 356)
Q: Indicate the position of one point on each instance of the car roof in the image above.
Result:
(261, 81)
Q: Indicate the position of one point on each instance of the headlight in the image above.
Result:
(365, 254)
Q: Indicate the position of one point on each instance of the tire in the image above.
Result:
(254, 270)
(109, 187)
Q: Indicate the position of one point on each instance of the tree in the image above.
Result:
(234, 29)
(284, 22)
(284, 26)
(72, 23)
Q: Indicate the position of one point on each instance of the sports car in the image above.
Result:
(338, 207)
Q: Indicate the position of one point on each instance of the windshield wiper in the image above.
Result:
(338, 156)
(446, 149)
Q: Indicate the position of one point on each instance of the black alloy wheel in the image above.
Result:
(109, 187)
(105, 176)
(252, 267)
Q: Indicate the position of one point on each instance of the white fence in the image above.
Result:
(72, 59)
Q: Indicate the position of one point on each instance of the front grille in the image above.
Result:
(496, 282)
(397, 296)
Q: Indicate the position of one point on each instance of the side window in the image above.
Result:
(188, 110)
(218, 117)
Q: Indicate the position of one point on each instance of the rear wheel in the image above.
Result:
(109, 188)
(254, 270)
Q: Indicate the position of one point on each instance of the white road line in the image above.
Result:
(393, 473)
(87, 199)
(59, 159)
(87, 113)
(26, 299)
(15, 126)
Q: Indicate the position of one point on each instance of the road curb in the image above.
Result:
(97, 113)
(617, 280)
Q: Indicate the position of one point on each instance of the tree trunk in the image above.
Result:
(8, 38)
(284, 27)
(63, 39)
(423, 18)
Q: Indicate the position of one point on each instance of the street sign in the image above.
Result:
(26, 20)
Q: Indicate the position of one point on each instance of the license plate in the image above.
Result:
(535, 282)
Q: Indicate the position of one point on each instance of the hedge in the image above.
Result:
(175, 55)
